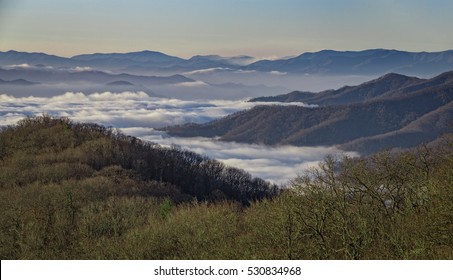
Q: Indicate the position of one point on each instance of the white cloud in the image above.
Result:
(81, 69)
(205, 71)
(109, 96)
(11, 118)
(193, 84)
(278, 73)
(23, 66)
(277, 164)
(240, 71)
(125, 109)
(273, 57)
(26, 66)
(136, 113)
(67, 97)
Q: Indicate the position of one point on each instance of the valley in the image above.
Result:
(144, 155)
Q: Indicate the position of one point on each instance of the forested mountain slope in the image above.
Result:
(372, 117)
(44, 150)
(388, 86)
(81, 191)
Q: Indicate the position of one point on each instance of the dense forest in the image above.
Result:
(82, 191)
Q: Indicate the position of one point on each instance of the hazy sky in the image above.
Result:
(262, 28)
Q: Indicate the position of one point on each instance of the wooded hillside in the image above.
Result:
(82, 191)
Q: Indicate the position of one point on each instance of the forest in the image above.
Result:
(83, 191)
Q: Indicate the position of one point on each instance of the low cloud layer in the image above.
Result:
(193, 84)
(206, 71)
(137, 114)
(125, 109)
(277, 164)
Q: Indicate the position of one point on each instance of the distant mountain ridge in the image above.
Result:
(119, 60)
(385, 86)
(50, 76)
(325, 62)
(399, 112)
(56, 79)
(142, 56)
(20, 82)
(375, 61)
(388, 86)
(14, 58)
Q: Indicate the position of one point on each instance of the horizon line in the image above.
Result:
(226, 56)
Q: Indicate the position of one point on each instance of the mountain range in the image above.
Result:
(375, 61)
(387, 86)
(393, 111)
(326, 62)
(126, 62)
(49, 81)
(17, 82)
(68, 76)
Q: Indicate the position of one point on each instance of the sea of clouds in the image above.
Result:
(137, 114)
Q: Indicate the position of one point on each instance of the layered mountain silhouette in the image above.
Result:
(55, 76)
(393, 111)
(16, 58)
(120, 83)
(138, 61)
(326, 62)
(17, 82)
(388, 86)
(120, 60)
(367, 62)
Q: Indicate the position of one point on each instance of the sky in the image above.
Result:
(261, 28)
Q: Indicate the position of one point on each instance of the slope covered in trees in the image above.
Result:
(45, 150)
(389, 86)
(391, 112)
(82, 191)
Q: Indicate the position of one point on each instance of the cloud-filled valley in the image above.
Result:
(125, 109)
(137, 114)
(277, 164)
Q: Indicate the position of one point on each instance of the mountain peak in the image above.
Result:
(393, 75)
(390, 77)
(122, 59)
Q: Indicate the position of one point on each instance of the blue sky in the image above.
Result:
(262, 28)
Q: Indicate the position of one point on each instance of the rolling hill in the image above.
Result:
(58, 150)
(390, 112)
(82, 191)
